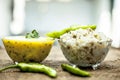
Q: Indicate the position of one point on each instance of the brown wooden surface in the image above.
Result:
(108, 70)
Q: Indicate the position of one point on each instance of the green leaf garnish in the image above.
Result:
(33, 34)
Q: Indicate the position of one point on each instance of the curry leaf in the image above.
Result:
(33, 34)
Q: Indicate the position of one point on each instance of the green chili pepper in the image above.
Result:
(75, 70)
(33, 67)
(57, 34)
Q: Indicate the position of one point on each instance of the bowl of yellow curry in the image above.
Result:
(27, 48)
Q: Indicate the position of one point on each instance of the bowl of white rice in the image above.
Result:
(84, 47)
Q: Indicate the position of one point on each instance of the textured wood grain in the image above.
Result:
(108, 70)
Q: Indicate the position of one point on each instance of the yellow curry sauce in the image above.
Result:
(21, 49)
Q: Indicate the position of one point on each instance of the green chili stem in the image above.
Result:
(8, 67)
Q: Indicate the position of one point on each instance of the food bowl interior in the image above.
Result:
(27, 50)
(85, 47)
(85, 56)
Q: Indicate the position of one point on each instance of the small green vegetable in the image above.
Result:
(33, 34)
(57, 34)
(75, 70)
(33, 67)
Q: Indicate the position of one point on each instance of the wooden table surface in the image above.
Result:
(108, 70)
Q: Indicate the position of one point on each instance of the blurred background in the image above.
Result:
(20, 16)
